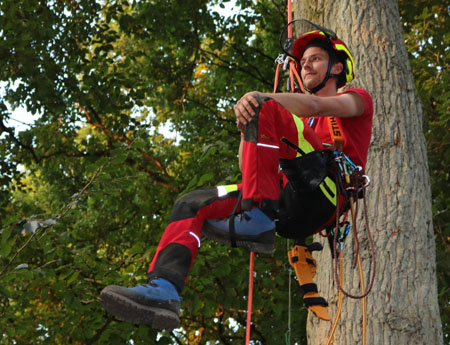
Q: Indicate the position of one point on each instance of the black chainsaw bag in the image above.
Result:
(308, 172)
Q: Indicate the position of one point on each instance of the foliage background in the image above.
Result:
(86, 190)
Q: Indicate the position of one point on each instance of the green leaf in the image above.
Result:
(137, 248)
(205, 178)
(73, 277)
(6, 242)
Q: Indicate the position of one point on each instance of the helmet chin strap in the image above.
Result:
(324, 81)
(320, 86)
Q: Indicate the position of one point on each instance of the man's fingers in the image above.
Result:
(242, 114)
(245, 109)
(254, 101)
(248, 106)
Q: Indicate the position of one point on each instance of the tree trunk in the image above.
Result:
(403, 306)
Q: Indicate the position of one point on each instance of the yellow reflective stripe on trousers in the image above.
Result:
(224, 190)
(307, 148)
(332, 186)
(302, 142)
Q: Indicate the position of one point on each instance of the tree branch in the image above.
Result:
(66, 208)
(16, 140)
(233, 66)
(128, 141)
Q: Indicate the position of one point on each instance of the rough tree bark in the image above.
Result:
(403, 305)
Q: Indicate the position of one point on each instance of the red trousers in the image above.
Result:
(260, 187)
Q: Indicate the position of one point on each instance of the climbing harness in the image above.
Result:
(349, 179)
(350, 183)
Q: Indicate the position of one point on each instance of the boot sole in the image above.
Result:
(263, 243)
(128, 310)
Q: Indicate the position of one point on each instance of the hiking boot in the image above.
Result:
(253, 230)
(156, 303)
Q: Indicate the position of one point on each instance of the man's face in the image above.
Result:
(314, 64)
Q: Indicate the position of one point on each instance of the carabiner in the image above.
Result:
(367, 178)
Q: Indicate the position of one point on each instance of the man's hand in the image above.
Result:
(244, 111)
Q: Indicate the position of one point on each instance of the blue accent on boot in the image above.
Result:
(246, 223)
(156, 304)
(157, 289)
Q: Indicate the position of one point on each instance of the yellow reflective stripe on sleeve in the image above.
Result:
(332, 186)
(302, 142)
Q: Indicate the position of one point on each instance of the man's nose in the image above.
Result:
(306, 64)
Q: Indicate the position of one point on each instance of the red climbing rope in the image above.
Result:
(250, 298)
(252, 254)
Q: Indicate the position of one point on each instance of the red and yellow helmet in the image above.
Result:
(310, 33)
(335, 43)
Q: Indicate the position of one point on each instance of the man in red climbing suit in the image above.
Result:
(248, 215)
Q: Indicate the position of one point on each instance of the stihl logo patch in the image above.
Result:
(335, 127)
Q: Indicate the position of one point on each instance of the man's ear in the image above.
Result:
(337, 68)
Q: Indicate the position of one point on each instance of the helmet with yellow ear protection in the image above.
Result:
(335, 43)
(310, 34)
